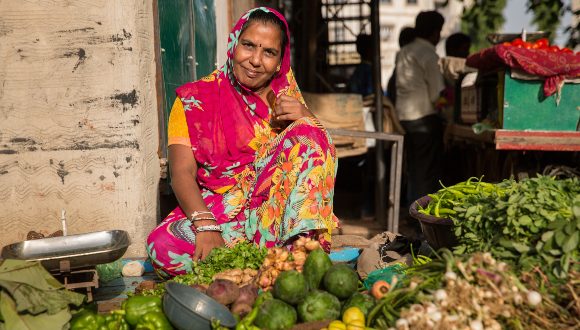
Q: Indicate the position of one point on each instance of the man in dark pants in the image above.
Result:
(419, 84)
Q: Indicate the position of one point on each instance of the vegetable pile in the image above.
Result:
(531, 223)
(138, 312)
(534, 223)
(313, 295)
(238, 263)
(470, 292)
(243, 255)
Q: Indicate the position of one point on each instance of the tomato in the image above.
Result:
(518, 42)
(566, 50)
(554, 48)
(527, 45)
(507, 44)
(542, 43)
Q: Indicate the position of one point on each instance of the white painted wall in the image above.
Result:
(78, 118)
(400, 14)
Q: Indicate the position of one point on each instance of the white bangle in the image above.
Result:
(209, 228)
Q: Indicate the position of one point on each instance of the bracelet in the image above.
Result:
(209, 228)
(199, 219)
(196, 213)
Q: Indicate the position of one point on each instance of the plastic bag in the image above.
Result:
(110, 271)
(385, 274)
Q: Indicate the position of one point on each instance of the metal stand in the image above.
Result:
(396, 168)
(78, 279)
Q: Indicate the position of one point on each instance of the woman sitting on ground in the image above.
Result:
(248, 160)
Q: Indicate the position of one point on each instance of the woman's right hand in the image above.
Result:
(205, 242)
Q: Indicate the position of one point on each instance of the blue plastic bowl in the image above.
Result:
(188, 309)
(346, 255)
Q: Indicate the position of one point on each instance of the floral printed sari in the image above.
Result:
(262, 186)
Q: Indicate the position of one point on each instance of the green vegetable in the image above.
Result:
(116, 320)
(137, 306)
(363, 301)
(443, 202)
(246, 322)
(319, 305)
(275, 314)
(341, 281)
(243, 255)
(88, 320)
(153, 321)
(316, 264)
(290, 287)
(528, 224)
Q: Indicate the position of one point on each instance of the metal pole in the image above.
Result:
(381, 203)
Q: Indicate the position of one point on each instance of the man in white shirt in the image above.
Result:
(419, 84)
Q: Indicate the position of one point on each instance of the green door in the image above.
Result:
(187, 34)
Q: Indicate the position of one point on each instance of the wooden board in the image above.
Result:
(537, 140)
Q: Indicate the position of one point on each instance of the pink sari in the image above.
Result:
(262, 187)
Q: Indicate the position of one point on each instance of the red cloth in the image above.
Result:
(552, 66)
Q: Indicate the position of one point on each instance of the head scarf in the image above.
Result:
(227, 122)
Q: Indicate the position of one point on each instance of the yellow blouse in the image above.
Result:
(177, 131)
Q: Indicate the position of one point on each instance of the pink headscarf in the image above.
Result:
(224, 117)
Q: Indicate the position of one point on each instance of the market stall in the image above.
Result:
(515, 110)
(496, 256)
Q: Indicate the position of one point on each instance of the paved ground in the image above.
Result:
(369, 227)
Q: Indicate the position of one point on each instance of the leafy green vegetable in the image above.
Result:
(531, 223)
(30, 298)
(242, 255)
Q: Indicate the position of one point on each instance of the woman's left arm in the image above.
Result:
(289, 108)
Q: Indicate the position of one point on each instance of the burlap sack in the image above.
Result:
(340, 241)
(373, 257)
(340, 111)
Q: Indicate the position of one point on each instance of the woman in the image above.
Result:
(237, 174)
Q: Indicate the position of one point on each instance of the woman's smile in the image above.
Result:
(252, 73)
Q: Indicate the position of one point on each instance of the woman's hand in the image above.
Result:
(289, 108)
(205, 242)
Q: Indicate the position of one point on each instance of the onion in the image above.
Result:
(435, 316)
(534, 298)
(450, 276)
(476, 325)
(402, 324)
(440, 295)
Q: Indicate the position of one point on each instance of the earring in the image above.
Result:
(278, 68)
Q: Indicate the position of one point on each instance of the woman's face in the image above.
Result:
(257, 55)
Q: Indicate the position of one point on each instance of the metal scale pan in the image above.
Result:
(80, 251)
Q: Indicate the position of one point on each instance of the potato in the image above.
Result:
(247, 278)
(250, 271)
(223, 291)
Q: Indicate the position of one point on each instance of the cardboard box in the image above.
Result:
(470, 100)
